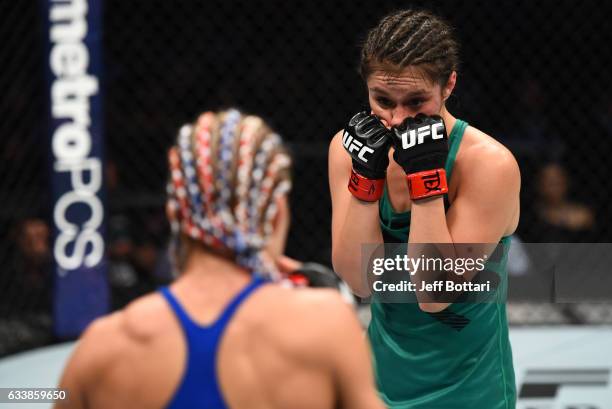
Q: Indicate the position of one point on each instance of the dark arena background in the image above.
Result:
(534, 74)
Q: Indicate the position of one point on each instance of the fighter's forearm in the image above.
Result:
(428, 222)
(427, 225)
(361, 226)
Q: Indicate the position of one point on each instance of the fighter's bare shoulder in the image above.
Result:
(493, 158)
(336, 150)
(309, 304)
(306, 316)
(139, 322)
(100, 344)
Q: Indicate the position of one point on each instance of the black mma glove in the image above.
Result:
(421, 148)
(368, 141)
(316, 275)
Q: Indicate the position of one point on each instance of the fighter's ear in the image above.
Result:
(448, 88)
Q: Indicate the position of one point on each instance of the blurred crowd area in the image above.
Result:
(533, 74)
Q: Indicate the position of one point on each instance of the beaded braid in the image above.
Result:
(244, 170)
(202, 146)
(200, 223)
(224, 176)
(221, 157)
(264, 177)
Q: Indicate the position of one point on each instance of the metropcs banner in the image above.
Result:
(76, 150)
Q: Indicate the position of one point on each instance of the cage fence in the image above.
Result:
(532, 74)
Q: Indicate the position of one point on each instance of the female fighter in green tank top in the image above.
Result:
(431, 354)
(457, 358)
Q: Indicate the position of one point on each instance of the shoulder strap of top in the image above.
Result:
(238, 299)
(176, 307)
(225, 316)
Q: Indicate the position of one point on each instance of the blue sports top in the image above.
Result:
(199, 387)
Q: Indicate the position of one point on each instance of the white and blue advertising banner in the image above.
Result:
(74, 66)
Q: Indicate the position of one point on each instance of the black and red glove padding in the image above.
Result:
(368, 141)
(314, 275)
(421, 148)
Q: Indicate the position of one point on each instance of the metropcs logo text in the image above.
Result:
(352, 144)
(416, 136)
(78, 243)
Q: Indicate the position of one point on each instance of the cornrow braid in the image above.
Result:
(202, 140)
(410, 37)
(224, 175)
(201, 226)
(259, 198)
(226, 172)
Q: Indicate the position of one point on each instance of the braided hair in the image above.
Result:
(227, 170)
(410, 37)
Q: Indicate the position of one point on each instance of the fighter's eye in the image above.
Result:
(384, 102)
(416, 102)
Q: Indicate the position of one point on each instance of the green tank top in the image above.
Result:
(457, 358)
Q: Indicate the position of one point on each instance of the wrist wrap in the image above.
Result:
(427, 183)
(368, 190)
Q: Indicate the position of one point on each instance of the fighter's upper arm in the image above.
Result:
(487, 203)
(339, 168)
(486, 207)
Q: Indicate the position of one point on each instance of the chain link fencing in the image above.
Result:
(532, 74)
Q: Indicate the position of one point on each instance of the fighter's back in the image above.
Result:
(226, 333)
(282, 348)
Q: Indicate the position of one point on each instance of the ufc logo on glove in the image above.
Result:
(351, 144)
(421, 149)
(416, 136)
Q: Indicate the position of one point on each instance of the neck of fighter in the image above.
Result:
(448, 118)
(202, 262)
